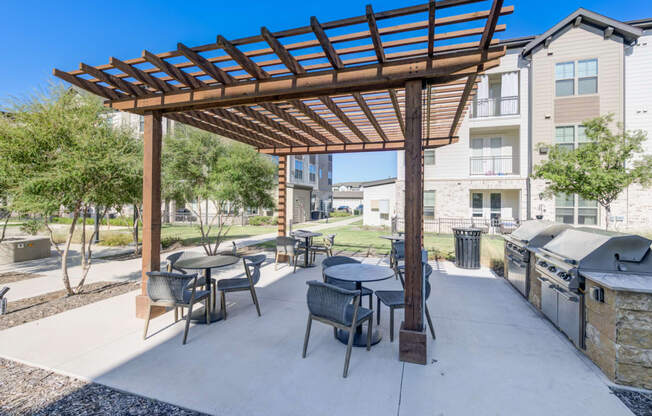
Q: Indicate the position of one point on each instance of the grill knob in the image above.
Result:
(543, 264)
(521, 251)
(552, 269)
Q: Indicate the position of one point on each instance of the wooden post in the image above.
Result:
(281, 209)
(412, 336)
(151, 251)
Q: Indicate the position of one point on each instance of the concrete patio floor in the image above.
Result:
(494, 355)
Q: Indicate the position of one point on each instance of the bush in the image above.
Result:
(498, 266)
(118, 221)
(169, 241)
(118, 239)
(260, 220)
(31, 227)
(340, 214)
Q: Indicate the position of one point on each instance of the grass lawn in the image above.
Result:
(189, 234)
(361, 240)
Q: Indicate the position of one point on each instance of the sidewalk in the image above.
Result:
(108, 270)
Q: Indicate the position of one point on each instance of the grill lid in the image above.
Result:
(536, 233)
(600, 250)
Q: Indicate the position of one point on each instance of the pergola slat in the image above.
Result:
(310, 113)
(288, 118)
(262, 118)
(87, 85)
(140, 75)
(217, 73)
(370, 115)
(125, 86)
(179, 75)
(264, 131)
(245, 62)
(328, 102)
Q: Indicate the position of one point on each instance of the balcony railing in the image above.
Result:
(492, 165)
(493, 107)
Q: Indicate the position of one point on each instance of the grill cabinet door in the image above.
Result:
(549, 300)
(570, 316)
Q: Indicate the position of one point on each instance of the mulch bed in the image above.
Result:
(10, 277)
(639, 403)
(26, 390)
(38, 307)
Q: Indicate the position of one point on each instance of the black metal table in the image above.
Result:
(359, 273)
(393, 237)
(206, 263)
(307, 235)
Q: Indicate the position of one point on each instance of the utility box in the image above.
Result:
(17, 249)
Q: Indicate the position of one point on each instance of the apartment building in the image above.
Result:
(545, 87)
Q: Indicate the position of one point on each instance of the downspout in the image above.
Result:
(528, 182)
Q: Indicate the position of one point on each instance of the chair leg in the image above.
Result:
(370, 330)
(223, 304)
(307, 336)
(348, 350)
(391, 324)
(149, 313)
(276, 262)
(255, 299)
(185, 333)
(214, 294)
(371, 302)
(378, 312)
(207, 304)
(294, 260)
(432, 327)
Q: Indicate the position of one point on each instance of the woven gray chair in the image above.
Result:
(175, 290)
(172, 259)
(339, 308)
(239, 284)
(395, 299)
(397, 253)
(288, 246)
(326, 246)
(334, 261)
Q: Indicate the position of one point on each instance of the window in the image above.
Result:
(313, 173)
(330, 177)
(429, 205)
(298, 169)
(565, 137)
(375, 205)
(587, 210)
(582, 139)
(565, 79)
(429, 157)
(587, 77)
(320, 173)
(383, 207)
(141, 124)
(476, 204)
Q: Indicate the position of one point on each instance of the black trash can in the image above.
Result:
(467, 247)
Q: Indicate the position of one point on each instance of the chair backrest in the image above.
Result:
(170, 287)
(252, 266)
(173, 258)
(334, 261)
(329, 301)
(398, 250)
(285, 245)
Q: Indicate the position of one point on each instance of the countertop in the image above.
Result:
(632, 282)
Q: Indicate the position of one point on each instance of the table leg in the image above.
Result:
(199, 316)
(360, 336)
(307, 252)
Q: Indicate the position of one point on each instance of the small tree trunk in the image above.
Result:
(4, 228)
(607, 214)
(166, 212)
(86, 264)
(66, 250)
(135, 230)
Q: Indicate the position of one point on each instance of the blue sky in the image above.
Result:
(40, 35)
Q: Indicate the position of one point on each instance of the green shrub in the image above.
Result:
(31, 227)
(115, 239)
(118, 221)
(340, 214)
(260, 220)
(171, 240)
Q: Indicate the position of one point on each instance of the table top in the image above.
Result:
(357, 272)
(304, 234)
(206, 262)
(393, 237)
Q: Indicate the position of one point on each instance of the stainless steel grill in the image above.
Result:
(563, 263)
(520, 247)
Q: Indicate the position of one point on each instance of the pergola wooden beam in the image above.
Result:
(375, 34)
(245, 62)
(431, 28)
(328, 102)
(87, 85)
(310, 113)
(179, 75)
(273, 124)
(290, 119)
(269, 134)
(284, 55)
(217, 73)
(140, 75)
(370, 115)
(125, 86)
(326, 44)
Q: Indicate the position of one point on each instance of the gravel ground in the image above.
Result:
(639, 403)
(27, 390)
(11, 277)
(42, 306)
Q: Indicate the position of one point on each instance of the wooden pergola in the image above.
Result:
(392, 80)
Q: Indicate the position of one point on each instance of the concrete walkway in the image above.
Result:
(494, 355)
(109, 270)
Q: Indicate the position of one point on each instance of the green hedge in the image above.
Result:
(340, 214)
(118, 221)
(261, 220)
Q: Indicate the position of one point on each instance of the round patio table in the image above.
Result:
(206, 263)
(359, 273)
(393, 237)
(308, 235)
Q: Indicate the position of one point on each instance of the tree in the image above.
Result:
(60, 149)
(601, 168)
(198, 166)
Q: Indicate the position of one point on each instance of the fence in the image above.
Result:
(492, 107)
(491, 165)
(446, 225)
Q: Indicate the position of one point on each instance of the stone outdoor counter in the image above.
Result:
(619, 327)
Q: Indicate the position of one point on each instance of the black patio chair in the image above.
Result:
(239, 284)
(395, 299)
(175, 290)
(172, 259)
(397, 253)
(288, 247)
(326, 246)
(339, 308)
(336, 260)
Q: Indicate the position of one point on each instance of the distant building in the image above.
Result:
(379, 201)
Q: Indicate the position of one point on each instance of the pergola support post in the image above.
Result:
(281, 209)
(412, 336)
(151, 249)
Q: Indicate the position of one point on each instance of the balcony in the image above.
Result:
(495, 107)
(491, 165)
